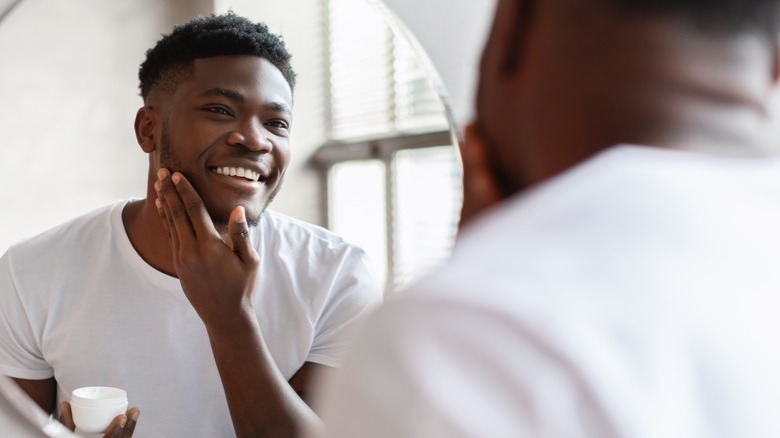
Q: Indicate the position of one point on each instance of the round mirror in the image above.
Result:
(372, 148)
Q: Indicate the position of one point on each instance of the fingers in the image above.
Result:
(238, 228)
(167, 220)
(132, 419)
(198, 215)
(66, 416)
(123, 425)
(174, 207)
(114, 429)
(480, 188)
(186, 212)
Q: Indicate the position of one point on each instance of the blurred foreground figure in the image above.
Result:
(619, 271)
(6, 6)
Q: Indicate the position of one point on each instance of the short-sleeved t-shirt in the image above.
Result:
(79, 304)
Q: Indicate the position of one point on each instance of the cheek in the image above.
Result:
(282, 156)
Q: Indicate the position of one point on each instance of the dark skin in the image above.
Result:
(561, 80)
(481, 190)
(265, 405)
(226, 112)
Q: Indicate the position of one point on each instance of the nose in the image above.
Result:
(251, 136)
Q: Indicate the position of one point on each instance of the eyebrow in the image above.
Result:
(240, 98)
(278, 106)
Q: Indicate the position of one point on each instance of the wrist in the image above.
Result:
(239, 323)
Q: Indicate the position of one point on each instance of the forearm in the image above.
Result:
(43, 392)
(261, 401)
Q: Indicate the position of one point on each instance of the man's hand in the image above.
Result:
(123, 425)
(480, 188)
(218, 279)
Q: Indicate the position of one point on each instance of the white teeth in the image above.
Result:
(238, 171)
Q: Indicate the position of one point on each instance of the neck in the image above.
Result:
(644, 83)
(145, 230)
(698, 92)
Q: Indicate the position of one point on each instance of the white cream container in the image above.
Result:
(95, 407)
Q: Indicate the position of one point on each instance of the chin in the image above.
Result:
(221, 218)
(253, 215)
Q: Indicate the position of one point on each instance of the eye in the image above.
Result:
(221, 110)
(279, 124)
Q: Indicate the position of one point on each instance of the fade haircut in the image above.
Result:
(723, 17)
(204, 37)
(712, 17)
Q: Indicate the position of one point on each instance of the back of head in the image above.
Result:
(206, 37)
(564, 79)
(712, 16)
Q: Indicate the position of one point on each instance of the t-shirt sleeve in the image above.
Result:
(437, 369)
(20, 351)
(354, 292)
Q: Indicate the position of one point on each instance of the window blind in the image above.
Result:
(377, 84)
(392, 188)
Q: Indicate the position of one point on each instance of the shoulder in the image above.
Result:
(285, 231)
(70, 235)
(310, 253)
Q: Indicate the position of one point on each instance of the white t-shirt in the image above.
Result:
(78, 303)
(636, 295)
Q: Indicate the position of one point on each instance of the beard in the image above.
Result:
(171, 161)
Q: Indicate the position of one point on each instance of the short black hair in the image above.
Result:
(210, 36)
(714, 16)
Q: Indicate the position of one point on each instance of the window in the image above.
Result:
(393, 176)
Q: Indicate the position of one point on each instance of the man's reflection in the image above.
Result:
(212, 312)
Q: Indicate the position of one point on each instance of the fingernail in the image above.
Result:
(176, 178)
(161, 173)
(241, 215)
(122, 421)
(157, 185)
(134, 415)
(158, 203)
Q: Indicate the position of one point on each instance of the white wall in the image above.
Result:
(69, 93)
(69, 85)
(453, 33)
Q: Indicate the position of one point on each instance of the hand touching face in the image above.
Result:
(218, 277)
(480, 188)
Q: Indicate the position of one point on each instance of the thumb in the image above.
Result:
(66, 416)
(238, 228)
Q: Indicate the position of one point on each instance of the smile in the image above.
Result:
(240, 172)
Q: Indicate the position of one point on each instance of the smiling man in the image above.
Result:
(212, 312)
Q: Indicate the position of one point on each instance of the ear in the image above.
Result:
(503, 55)
(145, 128)
(504, 47)
(775, 61)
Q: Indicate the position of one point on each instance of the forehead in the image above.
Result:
(251, 76)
